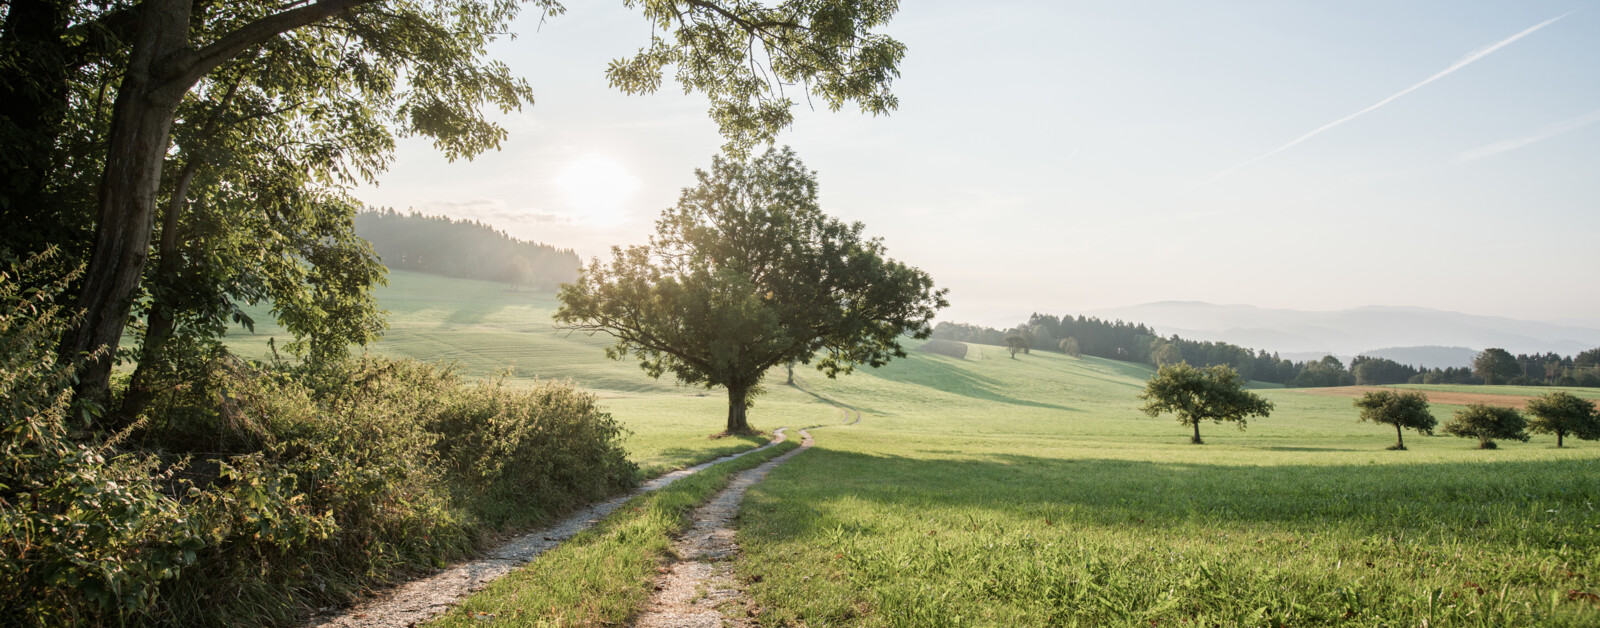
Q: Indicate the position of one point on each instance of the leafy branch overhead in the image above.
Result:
(745, 56)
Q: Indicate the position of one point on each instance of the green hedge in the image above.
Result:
(254, 492)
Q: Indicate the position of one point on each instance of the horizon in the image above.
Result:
(1157, 145)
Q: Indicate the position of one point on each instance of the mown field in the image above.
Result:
(990, 491)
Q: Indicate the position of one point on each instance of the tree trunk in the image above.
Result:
(34, 71)
(1559, 436)
(141, 126)
(162, 317)
(737, 402)
(1399, 439)
(1196, 440)
(790, 367)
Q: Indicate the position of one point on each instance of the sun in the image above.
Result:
(597, 188)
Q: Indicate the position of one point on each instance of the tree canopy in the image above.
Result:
(747, 273)
(1495, 366)
(1403, 410)
(1563, 413)
(1195, 394)
(298, 101)
(1488, 423)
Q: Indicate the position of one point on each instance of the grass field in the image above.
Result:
(990, 491)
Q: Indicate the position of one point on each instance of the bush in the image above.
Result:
(254, 491)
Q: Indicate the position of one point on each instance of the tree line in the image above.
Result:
(465, 249)
(1136, 342)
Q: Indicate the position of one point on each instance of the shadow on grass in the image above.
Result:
(959, 382)
(1543, 503)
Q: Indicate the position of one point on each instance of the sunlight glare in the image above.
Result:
(597, 188)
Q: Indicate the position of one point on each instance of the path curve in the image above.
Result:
(699, 591)
(422, 599)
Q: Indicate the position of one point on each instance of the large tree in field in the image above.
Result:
(1563, 413)
(1495, 366)
(417, 66)
(1403, 410)
(1214, 394)
(747, 273)
(1488, 423)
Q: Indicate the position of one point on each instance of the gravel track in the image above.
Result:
(699, 591)
(419, 600)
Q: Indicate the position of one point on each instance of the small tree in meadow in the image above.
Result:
(1069, 346)
(1404, 410)
(1562, 413)
(1197, 394)
(1016, 343)
(1487, 423)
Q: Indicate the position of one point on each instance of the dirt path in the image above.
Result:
(420, 600)
(699, 591)
(1434, 396)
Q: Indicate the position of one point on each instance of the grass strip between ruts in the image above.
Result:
(603, 575)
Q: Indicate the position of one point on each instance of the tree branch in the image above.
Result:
(255, 33)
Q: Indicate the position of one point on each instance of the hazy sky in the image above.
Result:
(1066, 156)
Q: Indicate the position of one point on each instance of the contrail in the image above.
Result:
(1461, 63)
(1570, 124)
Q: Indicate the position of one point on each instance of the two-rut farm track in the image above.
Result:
(704, 552)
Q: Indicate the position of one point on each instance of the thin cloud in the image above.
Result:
(1564, 126)
(1460, 63)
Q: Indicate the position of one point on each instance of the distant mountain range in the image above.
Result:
(1410, 335)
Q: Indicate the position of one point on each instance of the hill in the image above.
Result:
(463, 249)
(1354, 331)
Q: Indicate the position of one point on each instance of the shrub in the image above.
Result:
(253, 491)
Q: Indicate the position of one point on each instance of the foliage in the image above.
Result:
(1371, 371)
(1193, 394)
(1403, 410)
(1016, 343)
(1488, 423)
(742, 54)
(459, 248)
(1070, 347)
(1495, 366)
(746, 273)
(1328, 371)
(318, 481)
(1561, 413)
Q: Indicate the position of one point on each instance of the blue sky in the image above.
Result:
(1065, 156)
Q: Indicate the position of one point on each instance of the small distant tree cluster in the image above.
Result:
(466, 249)
(1016, 343)
(1193, 394)
(1403, 410)
(1070, 347)
(1134, 342)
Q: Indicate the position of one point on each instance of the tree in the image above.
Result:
(1069, 346)
(1403, 410)
(1016, 343)
(425, 58)
(745, 273)
(1487, 423)
(1562, 413)
(1165, 353)
(1194, 394)
(1495, 366)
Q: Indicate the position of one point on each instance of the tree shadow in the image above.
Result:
(1541, 503)
(960, 382)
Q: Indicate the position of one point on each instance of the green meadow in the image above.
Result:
(991, 491)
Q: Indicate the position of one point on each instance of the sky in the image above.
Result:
(1066, 156)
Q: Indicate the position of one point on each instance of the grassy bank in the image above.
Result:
(603, 575)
